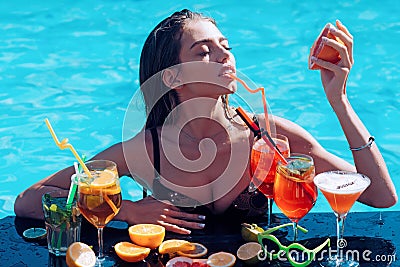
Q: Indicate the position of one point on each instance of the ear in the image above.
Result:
(170, 78)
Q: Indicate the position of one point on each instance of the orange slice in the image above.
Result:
(175, 245)
(221, 259)
(199, 251)
(104, 179)
(80, 255)
(130, 252)
(147, 235)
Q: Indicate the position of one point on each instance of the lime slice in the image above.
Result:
(34, 234)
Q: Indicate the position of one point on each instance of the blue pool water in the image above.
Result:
(76, 62)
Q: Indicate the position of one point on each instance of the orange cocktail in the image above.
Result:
(263, 163)
(341, 189)
(294, 191)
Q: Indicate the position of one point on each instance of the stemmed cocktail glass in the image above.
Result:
(294, 191)
(341, 189)
(99, 199)
(263, 164)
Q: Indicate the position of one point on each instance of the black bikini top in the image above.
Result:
(247, 204)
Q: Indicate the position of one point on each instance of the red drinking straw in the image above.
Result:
(264, 134)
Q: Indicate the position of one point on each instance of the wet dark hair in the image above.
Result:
(161, 51)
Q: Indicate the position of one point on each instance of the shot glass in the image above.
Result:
(63, 223)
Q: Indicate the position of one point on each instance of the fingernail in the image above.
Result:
(313, 59)
(324, 39)
(202, 217)
(201, 225)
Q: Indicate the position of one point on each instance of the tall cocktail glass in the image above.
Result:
(341, 189)
(263, 162)
(99, 199)
(294, 191)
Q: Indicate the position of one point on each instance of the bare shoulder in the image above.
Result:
(301, 141)
(138, 156)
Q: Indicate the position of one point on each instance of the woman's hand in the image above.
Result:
(334, 76)
(150, 210)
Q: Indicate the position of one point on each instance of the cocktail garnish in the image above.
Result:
(298, 166)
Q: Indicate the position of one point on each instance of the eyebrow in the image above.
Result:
(205, 41)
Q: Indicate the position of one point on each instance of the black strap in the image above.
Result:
(156, 156)
(156, 151)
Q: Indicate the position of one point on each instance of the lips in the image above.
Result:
(227, 70)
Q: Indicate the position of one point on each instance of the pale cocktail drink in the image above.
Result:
(341, 189)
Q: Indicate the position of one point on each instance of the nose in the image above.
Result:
(223, 55)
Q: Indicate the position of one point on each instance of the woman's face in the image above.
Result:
(206, 58)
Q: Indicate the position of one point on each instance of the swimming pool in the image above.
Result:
(77, 64)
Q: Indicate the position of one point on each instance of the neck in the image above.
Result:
(202, 117)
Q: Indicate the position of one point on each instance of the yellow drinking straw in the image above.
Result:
(64, 144)
(253, 92)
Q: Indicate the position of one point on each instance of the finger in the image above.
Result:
(185, 215)
(174, 228)
(343, 28)
(326, 65)
(343, 34)
(341, 48)
(182, 223)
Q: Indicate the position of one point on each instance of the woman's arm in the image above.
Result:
(369, 161)
(28, 203)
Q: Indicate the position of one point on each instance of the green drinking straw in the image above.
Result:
(72, 188)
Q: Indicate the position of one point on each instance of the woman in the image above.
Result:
(194, 150)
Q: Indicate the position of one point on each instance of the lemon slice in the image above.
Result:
(175, 245)
(199, 251)
(221, 259)
(248, 253)
(80, 255)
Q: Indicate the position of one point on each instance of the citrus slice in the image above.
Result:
(175, 245)
(130, 252)
(103, 179)
(147, 235)
(179, 261)
(221, 259)
(250, 231)
(80, 255)
(248, 253)
(199, 251)
(34, 234)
